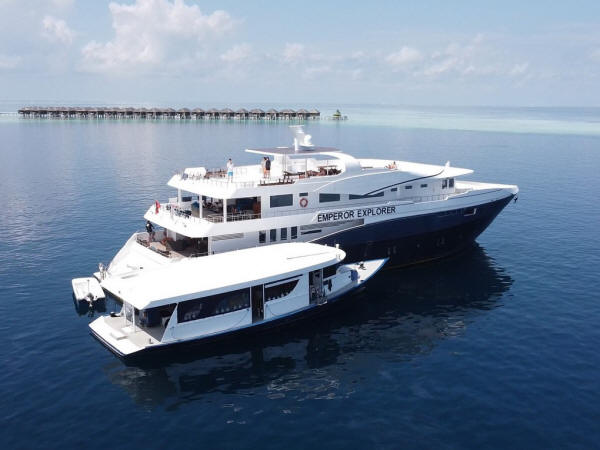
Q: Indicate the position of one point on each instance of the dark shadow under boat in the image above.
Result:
(402, 314)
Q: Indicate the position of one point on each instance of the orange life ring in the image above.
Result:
(303, 202)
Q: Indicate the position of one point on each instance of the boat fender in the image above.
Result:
(304, 202)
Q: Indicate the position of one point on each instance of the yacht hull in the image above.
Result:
(412, 240)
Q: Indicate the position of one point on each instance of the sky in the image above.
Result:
(203, 53)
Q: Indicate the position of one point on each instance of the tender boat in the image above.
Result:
(201, 299)
(372, 208)
(87, 290)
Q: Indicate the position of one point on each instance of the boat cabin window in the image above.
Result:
(394, 189)
(330, 271)
(281, 200)
(324, 198)
(356, 197)
(283, 234)
(451, 182)
(303, 194)
(262, 237)
(424, 185)
(213, 305)
(274, 291)
(273, 235)
(444, 183)
(408, 187)
(153, 317)
(294, 232)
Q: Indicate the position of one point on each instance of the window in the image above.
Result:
(408, 187)
(394, 189)
(280, 290)
(213, 305)
(444, 183)
(273, 235)
(324, 198)
(356, 197)
(424, 185)
(262, 237)
(294, 232)
(303, 194)
(282, 200)
(451, 183)
(469, 211)
(283, 234)
(330, 271)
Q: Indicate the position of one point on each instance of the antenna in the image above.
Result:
(301, 139)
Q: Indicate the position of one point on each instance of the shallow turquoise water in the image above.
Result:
(491, 348)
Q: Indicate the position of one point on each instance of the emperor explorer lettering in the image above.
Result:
(351, 214)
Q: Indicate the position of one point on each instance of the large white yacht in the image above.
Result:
(372, 208)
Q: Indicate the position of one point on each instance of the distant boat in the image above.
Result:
(337, 115)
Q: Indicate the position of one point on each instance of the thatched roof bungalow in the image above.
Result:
(257, 113)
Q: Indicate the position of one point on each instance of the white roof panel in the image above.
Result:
(191, 277)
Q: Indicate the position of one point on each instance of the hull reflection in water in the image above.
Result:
(407, 313)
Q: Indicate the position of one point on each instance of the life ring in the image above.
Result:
(303, 202)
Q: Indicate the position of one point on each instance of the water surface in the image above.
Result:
(494, 347)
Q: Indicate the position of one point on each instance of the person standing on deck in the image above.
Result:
(150, 230)
(263, 166)
(229, 169)
(268, 167)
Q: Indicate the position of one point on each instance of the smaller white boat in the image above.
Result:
(87, 289)
(224, 294)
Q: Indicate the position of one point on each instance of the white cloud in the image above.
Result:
(518, 69)
(63, 3)
(149, 33)
(293, 53)
(238, 53)
(9, 62)
(405, 57)
(315, 72)
(57, 30)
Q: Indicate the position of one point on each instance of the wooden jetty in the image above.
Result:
(103, 112)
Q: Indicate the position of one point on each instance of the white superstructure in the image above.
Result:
(371, 208)
(199, 298)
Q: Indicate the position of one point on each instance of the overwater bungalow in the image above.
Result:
(314, 113)
(271, 114)
(286, 114)
(257, 114)
(302, 114)
(241, 114)
(212, 113)
(197, 113)
(184, 113)
(226, 113)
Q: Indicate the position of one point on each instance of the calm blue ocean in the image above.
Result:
(496, 347)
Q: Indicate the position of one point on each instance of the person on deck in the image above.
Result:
(268, 167)
(263, 166)
(150, 230)
(229, 169)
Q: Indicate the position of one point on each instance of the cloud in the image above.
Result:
(9, 62)
(405, 57)
(518, 69)
(57, 30)
(293, 53)
(149, 33)
(63, 3)
(238, 53)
